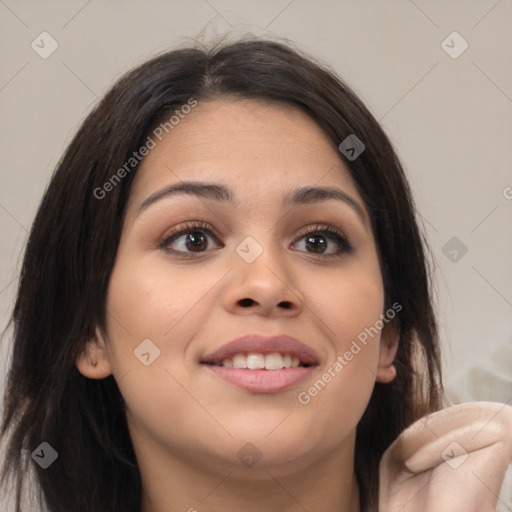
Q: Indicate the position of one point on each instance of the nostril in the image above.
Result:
(246, 302)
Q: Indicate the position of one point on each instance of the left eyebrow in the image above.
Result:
(218, 192)
(309, 195)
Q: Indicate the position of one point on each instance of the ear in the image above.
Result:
(386, 371)
(93, 362)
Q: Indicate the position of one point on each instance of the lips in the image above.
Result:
(303, 361)
(258, 344)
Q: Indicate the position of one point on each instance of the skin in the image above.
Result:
(187, 424)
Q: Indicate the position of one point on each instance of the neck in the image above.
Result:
(176, 484)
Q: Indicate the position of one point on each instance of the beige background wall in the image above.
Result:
(449, 118)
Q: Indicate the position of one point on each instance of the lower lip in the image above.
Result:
(262, 381)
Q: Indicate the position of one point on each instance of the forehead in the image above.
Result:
(256, 148)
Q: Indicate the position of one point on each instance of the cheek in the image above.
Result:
(350, 306)
(145, 302)
(350, 316)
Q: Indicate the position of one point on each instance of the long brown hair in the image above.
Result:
(72, 248)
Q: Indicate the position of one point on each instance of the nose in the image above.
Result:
(264, 287)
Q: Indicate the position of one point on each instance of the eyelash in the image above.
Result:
(340, 239)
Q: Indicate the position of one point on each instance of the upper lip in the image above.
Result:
(259, 344)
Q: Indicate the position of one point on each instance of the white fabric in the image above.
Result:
(452, 460)
(488, 377)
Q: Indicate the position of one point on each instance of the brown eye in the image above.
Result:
(195, 241)
(323, 239)
(192, 238)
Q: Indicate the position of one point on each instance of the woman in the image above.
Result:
(225, 301)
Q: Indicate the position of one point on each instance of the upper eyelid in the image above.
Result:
(317, 226)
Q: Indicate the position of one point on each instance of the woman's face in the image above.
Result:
(249, 267)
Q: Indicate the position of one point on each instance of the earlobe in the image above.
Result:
(386, 374)
(386, 371)
(93, 361)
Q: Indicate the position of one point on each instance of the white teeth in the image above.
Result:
(273, 361)
(255, 361)
(239, 361)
